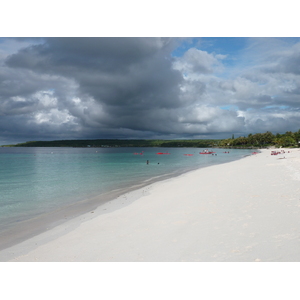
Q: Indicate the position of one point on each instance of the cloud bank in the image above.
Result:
(72, 88)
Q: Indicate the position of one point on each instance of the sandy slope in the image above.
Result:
(246, 210)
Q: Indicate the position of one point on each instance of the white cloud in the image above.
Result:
(195, 62)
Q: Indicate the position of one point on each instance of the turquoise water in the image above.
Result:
(34, 181)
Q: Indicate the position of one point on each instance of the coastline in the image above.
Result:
(28, 228)
(243, 210)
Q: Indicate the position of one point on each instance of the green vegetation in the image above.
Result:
(257, 140)
(119, 143)
(262, 140)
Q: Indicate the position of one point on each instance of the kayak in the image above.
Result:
(135, 153)
(210, 152)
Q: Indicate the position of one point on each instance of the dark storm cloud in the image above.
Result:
(63, 55)
(105, 85)
(53, 88)
(127, 73)
(114, 71)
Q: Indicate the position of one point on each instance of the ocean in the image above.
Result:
(36, 181)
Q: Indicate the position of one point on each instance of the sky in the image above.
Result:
(55, 88)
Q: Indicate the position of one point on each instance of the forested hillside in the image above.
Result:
(257, 140)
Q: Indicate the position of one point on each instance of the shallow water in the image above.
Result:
(34, 181)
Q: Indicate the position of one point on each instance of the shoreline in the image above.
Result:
(47, 221)
(155, 214)
(26, 229)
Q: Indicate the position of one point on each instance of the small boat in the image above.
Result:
(207, 152)
(211, 152)
(160, 153)
(188, 154)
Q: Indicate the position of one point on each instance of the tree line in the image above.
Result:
(257, 140)
(104, 143)
(261, 140)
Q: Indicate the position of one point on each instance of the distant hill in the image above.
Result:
(257, 140)
(119, 143)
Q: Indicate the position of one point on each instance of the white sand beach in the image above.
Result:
(243, 211)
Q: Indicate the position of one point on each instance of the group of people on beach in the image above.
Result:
(275, 152)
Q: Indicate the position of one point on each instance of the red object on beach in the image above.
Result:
(275, 152)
